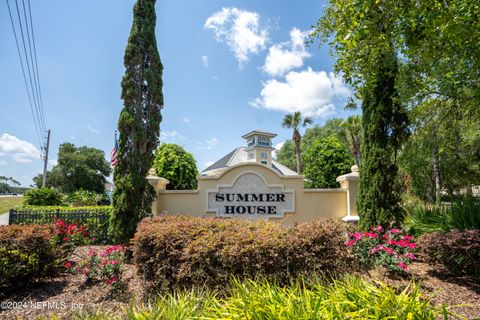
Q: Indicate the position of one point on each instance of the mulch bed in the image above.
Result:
(67, 294)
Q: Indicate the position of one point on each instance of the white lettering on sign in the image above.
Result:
(251, 197)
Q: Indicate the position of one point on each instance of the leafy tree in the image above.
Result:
(286, 155)
(442, 155)
(78, 168)
(43, 197)
(138, 123)
(176, 165)
(325, 160)
(362, 36)
(295, 121)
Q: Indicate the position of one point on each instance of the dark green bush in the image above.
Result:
(177, 251)
(42, 197)
(458, 251)
(463, 214)
(82, 198)
(26, 254)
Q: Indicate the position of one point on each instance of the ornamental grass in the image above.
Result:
(319, 298)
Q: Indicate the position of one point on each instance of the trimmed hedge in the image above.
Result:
(458, 251)
(26, 254)
(181, 252)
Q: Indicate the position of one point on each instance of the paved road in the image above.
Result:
(3, 219)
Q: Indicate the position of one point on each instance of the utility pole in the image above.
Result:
(46, 160)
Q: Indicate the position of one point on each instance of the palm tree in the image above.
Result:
(294, 121)
(352, 135)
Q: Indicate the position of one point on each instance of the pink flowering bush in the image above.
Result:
(70, 234)
(389, 248)
(107, 266)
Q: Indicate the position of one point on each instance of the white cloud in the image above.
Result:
(212, 143)
(92, 129)
(285, 56)
(3, 162)
(277, 147)
(205, 61)
(170, 136)
(240, 30)
(308, 91)
(186, 120)
(20, 150)
(52, 162)
(209, 144)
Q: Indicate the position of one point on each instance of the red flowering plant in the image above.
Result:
(107, 266)
(69, 234)
(386, 247)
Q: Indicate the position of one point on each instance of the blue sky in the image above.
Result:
(229, 67)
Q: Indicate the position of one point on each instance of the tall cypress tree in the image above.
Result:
(138, 123)
(384, 124)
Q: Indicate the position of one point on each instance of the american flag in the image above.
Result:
(113, 154)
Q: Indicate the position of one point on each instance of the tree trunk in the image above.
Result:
(436, 175)
(297, 154)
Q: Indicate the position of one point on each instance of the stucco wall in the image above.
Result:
(309, 204)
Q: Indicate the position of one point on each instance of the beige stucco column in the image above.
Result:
(159, 184)
(350, 182)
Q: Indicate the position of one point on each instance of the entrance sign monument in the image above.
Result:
(248, 183)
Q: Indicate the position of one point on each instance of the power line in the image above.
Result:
(24, 76)
(36, 63)
(35, 98)
(33, 67)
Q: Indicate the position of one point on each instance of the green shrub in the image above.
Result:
(458, 251)
(83, 198)
(177, 251)
(178, 166)
(463, 214)
(350, 298)
(43, 197)
(26, 254)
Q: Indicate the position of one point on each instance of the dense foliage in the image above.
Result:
(325, 160)
(176, 165)
(463, 214)
(442, 156)
(42, 197)
(83, 198)
(384, 124)
(27, 254)
(138, 123)
(78, 168)
(344, 130)
(458, 251)
(349, 298)
(177, 251)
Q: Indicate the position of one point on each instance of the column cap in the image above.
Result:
(352, 176)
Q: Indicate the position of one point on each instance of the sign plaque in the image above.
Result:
(250, 197)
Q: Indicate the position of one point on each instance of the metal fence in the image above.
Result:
(97, 220)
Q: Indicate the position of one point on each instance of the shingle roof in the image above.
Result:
(223, 162)
(239, 155)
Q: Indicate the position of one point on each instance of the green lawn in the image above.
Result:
(7, 203)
